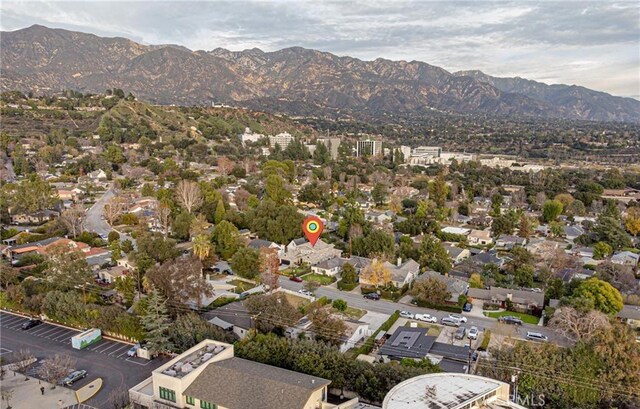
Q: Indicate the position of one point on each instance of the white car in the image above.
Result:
(426, 318)
(473, 333)
(536, 336)
(458, 317)
(406, 314)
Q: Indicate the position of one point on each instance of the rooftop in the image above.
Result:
(186, 364)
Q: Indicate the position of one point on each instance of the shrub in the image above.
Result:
(462, 300)
(485, 341)
(440, 307)
(113, 236)
(346, 286)
(340, 305)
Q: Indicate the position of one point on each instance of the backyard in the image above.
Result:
(241, 286)
(434, 330)
(529, 319)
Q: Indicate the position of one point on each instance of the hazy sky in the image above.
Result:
(595, 43)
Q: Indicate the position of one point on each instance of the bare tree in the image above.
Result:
(576, 325)
(189, 195)
(72, 218)
(270, 266)
(119, 399)
(24, 360)
(163, 213)
(225, 165)
(113, 209)
(180, 280)
(53, 370)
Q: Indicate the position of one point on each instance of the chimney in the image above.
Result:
(510, 297)
(399, 261)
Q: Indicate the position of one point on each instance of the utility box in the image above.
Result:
(143, 353)
(84, 339)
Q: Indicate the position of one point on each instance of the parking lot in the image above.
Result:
(105, 359)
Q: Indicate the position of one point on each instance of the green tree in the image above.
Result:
(113, 154)
(601, 250)
(551, 209)
(434, 255)
(155, 321)
(475, 281)
(181, 225)
(379, 194)
(67, 268)
(226, 239)
(246, 263)
(600, 294)
(431, 291)
(275, 190)
(524, 275)
(610, 231)
(438, 190)
(376, 243)
(220, 211)
(340, 305)
(321, 155)
(280, 224)
(190, 329)
(348, 274)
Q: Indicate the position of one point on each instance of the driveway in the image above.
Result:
(93, 221)
(106, 359)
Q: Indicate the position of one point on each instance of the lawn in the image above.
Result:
(434, 330)
(351, 312)
(241, 286)
(529, 319)
(295, 300)
(319, 278)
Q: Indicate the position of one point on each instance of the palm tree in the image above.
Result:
(201, 246)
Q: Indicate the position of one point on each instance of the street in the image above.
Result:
(93, 218)
(388, 307)
(106, 359)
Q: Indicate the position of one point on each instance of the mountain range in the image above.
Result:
(292, 80)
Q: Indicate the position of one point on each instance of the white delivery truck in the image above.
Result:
(84, 339)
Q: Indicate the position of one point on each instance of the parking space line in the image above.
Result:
(64, 334)
(123, 354)
(15, 326)
(4, 351)
(41, 329)
(137, 363)
(99, 345)
(104, 347)
(11, 320)
(54, 333)
(119, 349)
(48, 331)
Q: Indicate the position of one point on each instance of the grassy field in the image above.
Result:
(319, 278)
(351, 312)
(529, 319)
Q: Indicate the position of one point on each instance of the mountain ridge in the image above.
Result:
(43, 59)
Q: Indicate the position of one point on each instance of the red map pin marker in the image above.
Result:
(312, 228)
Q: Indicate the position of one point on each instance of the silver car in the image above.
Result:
(473, 333)
(536, 336)
(406, 314)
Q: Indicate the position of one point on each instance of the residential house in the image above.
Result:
(630, 315)
(460, 231)
(233, 317)
(626, 258)
(111, 274)
(528, 301)
(355, 332)
(571, 233)
(209, 376)
(479, 237)
(329, 267)
(506, 242)
(259, 244)
(454, 285)
(97, 175)
(402, 273)
(43, 246)
(379, 218)
(34, 218)
(457, 254)
(301, 251)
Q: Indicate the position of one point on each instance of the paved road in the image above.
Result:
(388, 307)
(106, 359)
(93, 219)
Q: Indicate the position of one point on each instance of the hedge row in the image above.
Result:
(448, 308)
(485, 341)
(370, 342)
(346, 287)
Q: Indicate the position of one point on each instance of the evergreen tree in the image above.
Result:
(155, 321)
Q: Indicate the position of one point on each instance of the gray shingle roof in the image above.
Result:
(238, 383)
(408, 342)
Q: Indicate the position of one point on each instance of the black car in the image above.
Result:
(73, 377)
(31, 323)
(372, 296)
(509, 319)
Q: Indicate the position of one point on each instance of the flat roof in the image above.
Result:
(439, 391)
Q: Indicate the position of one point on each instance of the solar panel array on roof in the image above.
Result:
(406, 338)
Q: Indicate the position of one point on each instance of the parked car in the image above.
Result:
(458, 317)
(134, 350)
(305, 292)
(467, 307)
(450, 322)
(511, 320)
(536, 336)
(74, 377)
(460, 333)
(473, 333)
(296, 279)
(406, 314)
(372, 296)
(426, 318)
(31, 323)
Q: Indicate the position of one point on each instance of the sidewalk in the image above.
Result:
(27, 395)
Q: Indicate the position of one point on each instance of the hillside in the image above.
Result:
(293, 80)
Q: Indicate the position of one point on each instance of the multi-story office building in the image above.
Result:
(368, 147)
(283, 139)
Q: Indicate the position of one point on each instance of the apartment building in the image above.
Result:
(368, 147)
